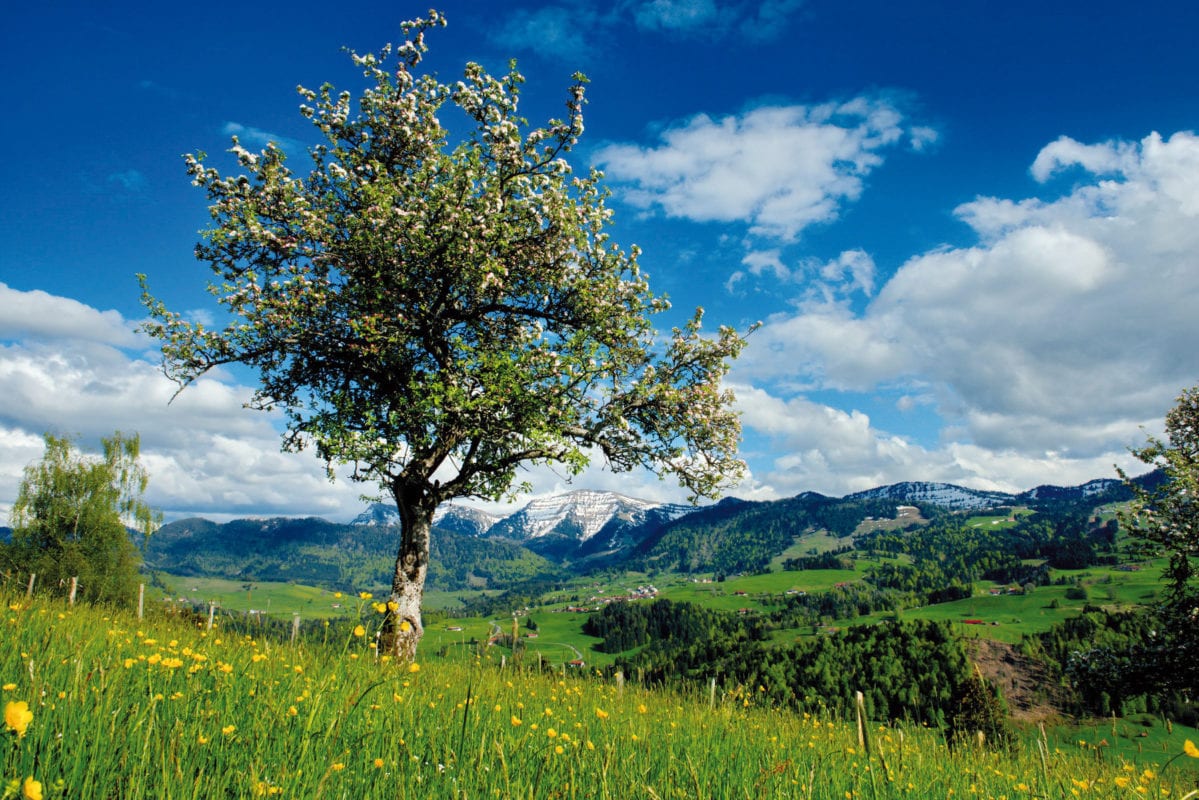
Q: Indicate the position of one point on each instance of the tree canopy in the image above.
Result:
(1164, 516)
(71, 516)
(437, 314)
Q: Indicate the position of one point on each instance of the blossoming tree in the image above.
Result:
(437, 315)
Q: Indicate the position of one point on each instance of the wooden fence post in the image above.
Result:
(29, 589)
(211, 614)
(141, 599)
(295, 627)
(74, 589)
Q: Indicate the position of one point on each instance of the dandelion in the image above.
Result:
(17, 716)
(31, 789)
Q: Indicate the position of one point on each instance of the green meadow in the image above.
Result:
(101, 705)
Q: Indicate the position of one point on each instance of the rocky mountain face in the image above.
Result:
(577, 524)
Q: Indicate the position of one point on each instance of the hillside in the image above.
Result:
(320, 553)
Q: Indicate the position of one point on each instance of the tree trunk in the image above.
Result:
(403, 629)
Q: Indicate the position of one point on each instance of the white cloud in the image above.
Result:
(43, 315)
(1098, 159)
(779, 169)
(258, 138)
(838, 452)
(1049, 347)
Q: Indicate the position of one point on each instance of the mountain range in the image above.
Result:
(567, 534)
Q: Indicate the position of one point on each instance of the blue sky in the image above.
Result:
(970, 228)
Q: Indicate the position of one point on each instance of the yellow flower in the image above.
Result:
(393, 606)
(1122, 781)
(359, 631)
(516, 721)
(405, 626)
(414, 667)
(8, 687)
(641, 709)
(292, 711)
(1190, 749)
(600, 713)
(337, 595)
(17, 716)
(31, 789)
(559, 750)
(379, 607)
(228, 730)
(379, 763)
(338, 767)
(365, 595)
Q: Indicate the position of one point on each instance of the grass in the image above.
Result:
(166, 709)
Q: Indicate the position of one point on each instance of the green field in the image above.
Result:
(99, 705)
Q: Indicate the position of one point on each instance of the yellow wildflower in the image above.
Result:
(338, 767)
(414, 667)
(516, 721)
(8, 687)
(31, 789)
(359, 631)
(17, 716)
(229, 730)
(1190, 749)
(365, 595)
(379, 763)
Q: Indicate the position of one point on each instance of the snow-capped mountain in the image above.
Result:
(584, 522)
(1068, 493)
(578, 515)
(451, 516)
(945, 495)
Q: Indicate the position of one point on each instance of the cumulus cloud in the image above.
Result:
(42, 315)
(779, 169)
(1049, 347)
(72, 370)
